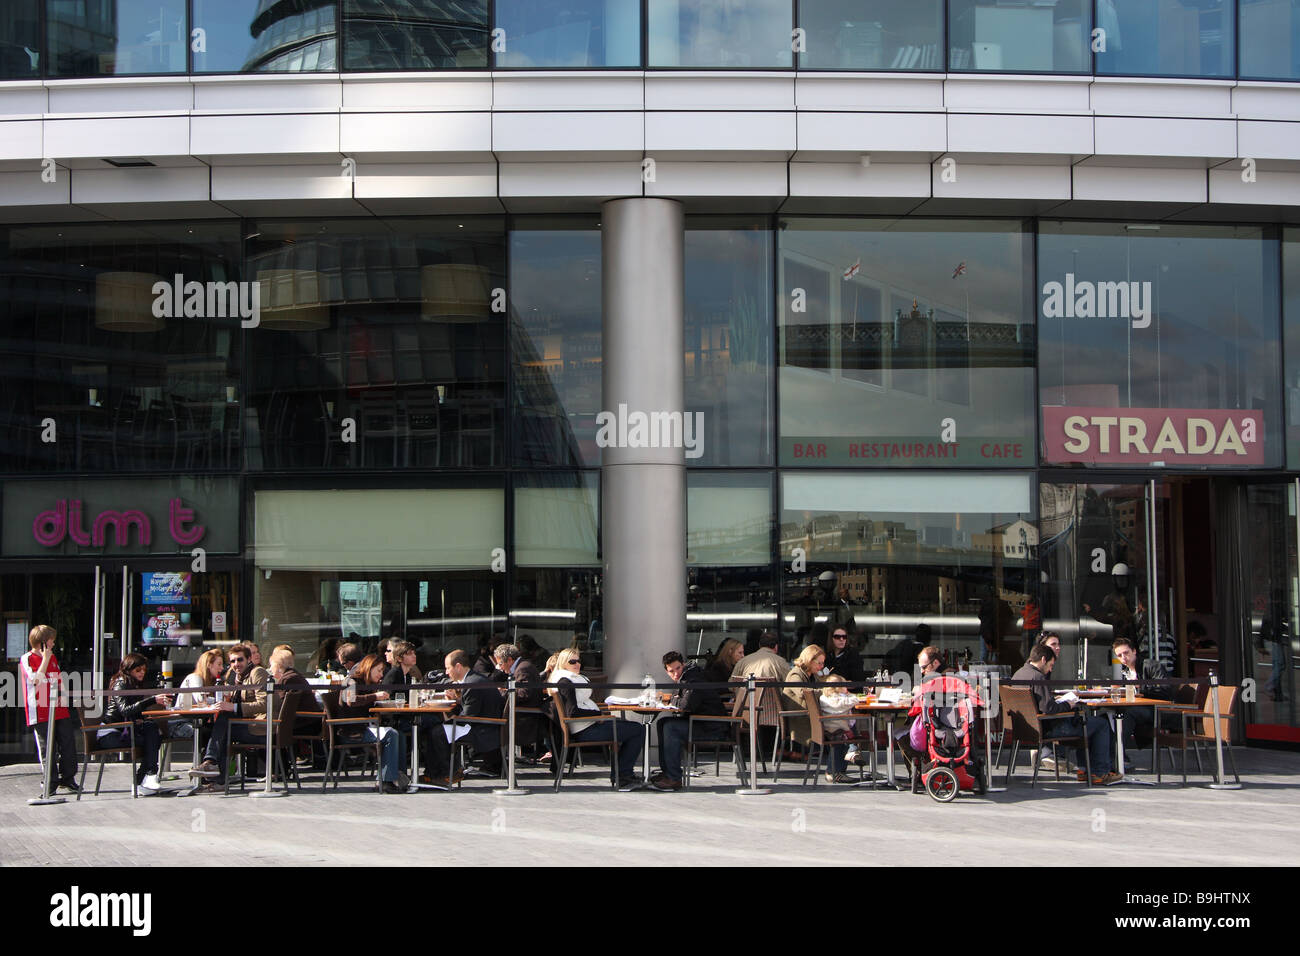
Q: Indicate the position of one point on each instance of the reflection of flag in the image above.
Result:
(960, 270)
(853, 270)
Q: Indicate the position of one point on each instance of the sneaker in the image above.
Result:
(628, 784)
(392, 787)
(665, 784)
(71, 785)
(838, 778)
(208, 768)
(150, 783)
(1048, 763)
(1081, 776)
(1107, 780)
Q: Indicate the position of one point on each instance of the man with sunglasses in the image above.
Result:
(246, 703)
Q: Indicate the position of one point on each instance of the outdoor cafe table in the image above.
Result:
(639, 712)
(1119, 706)
(437, 707)
(195, 714)
(890, 712)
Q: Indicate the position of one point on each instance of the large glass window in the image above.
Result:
(246, 36)
(415, 34)
(20, 40)
(555, 314)
(1270, 39)
(1166, 37)
(118, 38)
(730, 589)
(905, 560)
(906, 342)
(104, 365)
(996, 36)
(728, 305)
(569, 33)
(381, 345)
(872, 35)
(720, 33)
(1291, 287)
(1159, 344)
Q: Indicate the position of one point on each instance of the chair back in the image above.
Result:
(815, 732)
(739, 706)
(1227, 709)
(1020, 715)
(561, 717)
(91, 719)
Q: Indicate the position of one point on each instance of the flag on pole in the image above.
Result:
(960, 270)
(853, 270)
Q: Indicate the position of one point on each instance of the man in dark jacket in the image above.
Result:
(478, 698)
(1039, 668)
(674, 730)
(529, 728)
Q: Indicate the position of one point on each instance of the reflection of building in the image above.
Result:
(1016, 540)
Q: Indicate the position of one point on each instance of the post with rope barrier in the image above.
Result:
(269, 790)
(47, 782)
(1219, 782)
(511, 790)
(753, 790)
(986, 686)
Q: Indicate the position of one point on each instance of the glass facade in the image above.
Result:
(1166, 38)
(253, 36)
(994, 36)
(565, 33)
(720, 33)
(1291, 335)
(1175, 38)
(906, 343)
(125, 37)
(872, 35)
(1169, 330)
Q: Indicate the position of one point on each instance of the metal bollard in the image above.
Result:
(510, 789)
(753, 789)
(1219, 783)
(47, 784)
(270, 791)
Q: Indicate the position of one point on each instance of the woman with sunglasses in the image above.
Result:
(570, 686)
(144, 732)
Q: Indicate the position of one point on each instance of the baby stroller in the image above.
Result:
(945, 709)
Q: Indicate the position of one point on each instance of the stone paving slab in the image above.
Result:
(588, 824)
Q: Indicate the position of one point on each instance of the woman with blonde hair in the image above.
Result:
(207, 672)
(806, 670)
(724, 660)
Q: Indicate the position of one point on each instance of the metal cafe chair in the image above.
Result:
(99, 752)
(736, 722)
(1026, 725)
(1190, 733)
(565, 748)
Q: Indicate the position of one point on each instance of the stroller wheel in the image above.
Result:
(942, 784)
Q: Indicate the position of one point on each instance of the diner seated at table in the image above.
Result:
(349, 656)
(837, 699)
(570, 686)
(673, 731)
(246, 701)
(724, 660)
(144, 732)
(1139, 721)
(476, 697)
(1095, 726)
(208, 670)
(403, 670)
(807, 666)
(529, 728)
(369, 674)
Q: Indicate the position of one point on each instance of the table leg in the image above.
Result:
(874, 779)
(1119, 754)
(415, 757)
(889, 750)
(645, 756)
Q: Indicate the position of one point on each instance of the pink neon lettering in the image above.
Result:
(177, 517)
(121, 522)
(50, 526)
(75, 529)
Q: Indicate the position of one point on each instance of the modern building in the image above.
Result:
(644, 322)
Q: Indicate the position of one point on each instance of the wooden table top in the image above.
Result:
(192, 712)
(441, 707)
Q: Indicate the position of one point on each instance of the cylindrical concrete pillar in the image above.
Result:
(641, 429)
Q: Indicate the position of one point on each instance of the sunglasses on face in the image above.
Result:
(574, 661)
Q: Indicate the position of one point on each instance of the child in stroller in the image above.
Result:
(939, 744)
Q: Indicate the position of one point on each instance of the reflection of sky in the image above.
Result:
(734, 33)
(1211, 341)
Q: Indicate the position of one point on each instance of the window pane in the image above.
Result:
(720, 33)
(1159, 344)
(247, 36)
(730, 587)
(20, 40)
(1270, 39)
(559, 33)
(557, 520)
(124, 37)
(728, 332)
(872, 35)
(388, 326)
(415, 34)
(1291, 285)
(556, 314)
(995, 36)
(1166, 37)
(888, 554)
(906, 343)
(126, 388)
(556, 608)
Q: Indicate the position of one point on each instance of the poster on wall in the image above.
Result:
(15, 639)
(166, 587)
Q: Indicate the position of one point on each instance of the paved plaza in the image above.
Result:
(588, 824)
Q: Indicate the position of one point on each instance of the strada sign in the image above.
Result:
(1145, 436)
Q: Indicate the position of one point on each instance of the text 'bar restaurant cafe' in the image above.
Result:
(636, 326)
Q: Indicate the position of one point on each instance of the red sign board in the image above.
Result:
(1145, 436)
